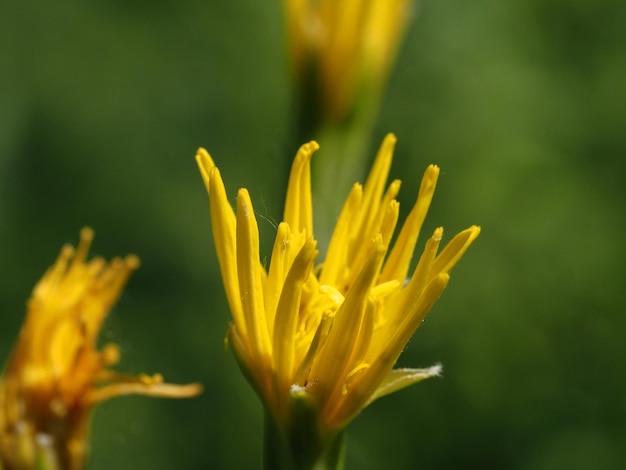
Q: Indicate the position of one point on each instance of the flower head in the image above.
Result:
(329, 333)
(56, 374)
(348, 46)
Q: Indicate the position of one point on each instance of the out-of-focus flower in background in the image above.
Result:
(344, 50)
(341, 54)
(56, 374)
(318, 342)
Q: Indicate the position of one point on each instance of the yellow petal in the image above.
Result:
(277, 272)
(385, 355)
(249, 277)
(205, 164)
(414, 289)
(284, 335)
(453, 251)
(374, 186)
(298, 206)
(336, 258)
(400, 256)
(330, 367)
(225, 233)
(143, 387)
(318, 342)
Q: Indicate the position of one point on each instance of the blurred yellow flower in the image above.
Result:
(330, 333)
(56, 375)
(349, 46)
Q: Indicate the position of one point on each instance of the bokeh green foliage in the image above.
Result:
(522, 104)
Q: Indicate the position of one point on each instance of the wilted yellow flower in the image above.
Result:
(329, 334)
(348, 46)
(56, 374)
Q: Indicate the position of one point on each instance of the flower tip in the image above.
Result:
(244, 203)
(432, 172)
(469, 235)
(390, 138)
(429, 182)
(205, 165)
(86, 235)
(305, 152)
(475, 229)
(67, 252)
(110, 354)
(441, 280)
(132, 262)
(204, 159)
(180, 391)
(438, 234)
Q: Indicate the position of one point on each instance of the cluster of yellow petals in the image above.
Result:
(56, 374)
(345, 43)
(333, 331)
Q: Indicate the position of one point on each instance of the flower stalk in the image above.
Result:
(301, 445)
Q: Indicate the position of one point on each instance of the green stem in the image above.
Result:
(301, 447)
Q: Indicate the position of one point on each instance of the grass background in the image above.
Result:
(521, 103)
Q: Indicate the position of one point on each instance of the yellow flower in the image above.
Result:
(56, 375)
(348, 45)
(330, 333)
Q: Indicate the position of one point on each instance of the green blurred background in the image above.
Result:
(521, 103)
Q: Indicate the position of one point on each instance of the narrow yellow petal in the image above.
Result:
(388, 221)
(400, 256)
(336, 258)
(298, 206)
(224, 225)
(144, 387)
(453, 251)
(332, 362)
(383, 361)
(374, 187)
(415, 310)
(364, 335)
(249, 276)
(284, 335)
(205, 164)
(385, 289)
(413, 291)
(318, 342)
(356, 366)
(277, 272)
